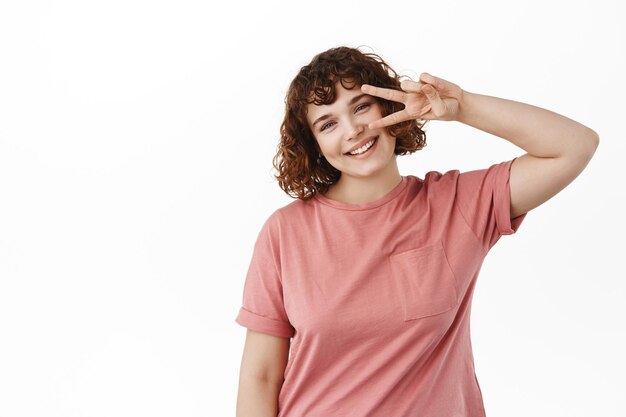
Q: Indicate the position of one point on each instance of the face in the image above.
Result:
(341, 126)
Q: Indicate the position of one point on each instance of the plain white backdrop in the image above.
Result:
(136, 141)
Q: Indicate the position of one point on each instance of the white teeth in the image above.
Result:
(363, 148)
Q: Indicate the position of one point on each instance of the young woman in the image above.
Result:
(358, 295)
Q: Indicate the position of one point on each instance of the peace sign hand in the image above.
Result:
(431, 98)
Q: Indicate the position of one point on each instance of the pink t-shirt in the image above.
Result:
(377, 296)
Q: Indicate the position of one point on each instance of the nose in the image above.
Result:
(354, 129)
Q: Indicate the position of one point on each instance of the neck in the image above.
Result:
(363, 189)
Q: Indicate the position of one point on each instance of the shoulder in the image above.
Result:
(442, 178)
(470, 179)
(438, 180)
(282, 217)
(294, 210)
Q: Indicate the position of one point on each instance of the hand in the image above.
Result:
(431, 98)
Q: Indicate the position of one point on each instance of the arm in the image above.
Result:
(558, 148)
(257, 398)
(261, 375)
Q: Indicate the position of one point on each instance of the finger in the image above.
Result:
(392, 119)
(431, 79)
(386, 93)
(438, 106)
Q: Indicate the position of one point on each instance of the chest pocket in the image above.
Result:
(424, 281)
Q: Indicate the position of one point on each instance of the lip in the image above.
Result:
(358, 145)
(368, 152)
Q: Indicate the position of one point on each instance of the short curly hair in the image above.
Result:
(301, 173)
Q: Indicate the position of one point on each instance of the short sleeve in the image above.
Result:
(263, 307)
(484, 199)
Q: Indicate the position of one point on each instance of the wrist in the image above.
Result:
(464, 104)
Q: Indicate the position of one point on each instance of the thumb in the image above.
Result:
(437, 105)
(428, 90)
(411, 86)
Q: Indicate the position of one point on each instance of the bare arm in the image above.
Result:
(262, 374)
(257, 398)
(558, 148)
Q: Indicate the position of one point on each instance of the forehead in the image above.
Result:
(342, 97)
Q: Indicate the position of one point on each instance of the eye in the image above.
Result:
(361, 107)
(325, 126)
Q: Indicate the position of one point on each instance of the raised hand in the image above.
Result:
(431, 98)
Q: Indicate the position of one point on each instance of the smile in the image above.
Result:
(364, 149)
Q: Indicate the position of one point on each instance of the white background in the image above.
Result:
(136, 141)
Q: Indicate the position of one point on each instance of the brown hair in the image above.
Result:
(301, 173)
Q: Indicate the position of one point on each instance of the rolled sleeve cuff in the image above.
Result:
(263, 324)
(502, 196)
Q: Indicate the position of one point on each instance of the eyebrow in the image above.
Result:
(351, 102)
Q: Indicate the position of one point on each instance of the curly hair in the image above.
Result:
(301, 172)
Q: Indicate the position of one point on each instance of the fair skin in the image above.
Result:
(261, 374)
(342, 126)
(558, 148)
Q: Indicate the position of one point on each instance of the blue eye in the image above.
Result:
(325, 126)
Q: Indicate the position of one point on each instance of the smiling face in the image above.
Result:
(342, 126)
